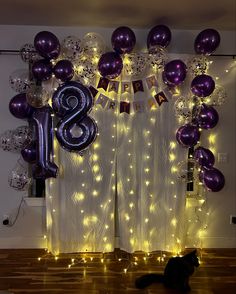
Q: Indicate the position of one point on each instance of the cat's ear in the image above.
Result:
(194, 251)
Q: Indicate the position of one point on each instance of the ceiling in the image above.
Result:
(177, 14)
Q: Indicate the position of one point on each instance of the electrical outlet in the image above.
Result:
(233, 219)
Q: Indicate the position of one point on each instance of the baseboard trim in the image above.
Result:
(23, 242)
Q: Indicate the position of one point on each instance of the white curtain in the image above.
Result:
(123, 192)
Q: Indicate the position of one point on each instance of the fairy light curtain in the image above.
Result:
(135, 157)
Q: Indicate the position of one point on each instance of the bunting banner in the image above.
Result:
(130, 88)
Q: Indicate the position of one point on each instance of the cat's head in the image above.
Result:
(192, 258)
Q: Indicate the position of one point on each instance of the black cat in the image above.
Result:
(176, 275)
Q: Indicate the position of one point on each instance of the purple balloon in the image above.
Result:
(110, 65)
(188, 135)
(207, 41)
(19, 107)
(159, 35)
(204, 157)
(202, 85)
(123, 40)
(63, 70)
(47, 45)
(42, 70)
(29, 153)
(208, 117)
(175, 72)
(213, 179)
(166, 81)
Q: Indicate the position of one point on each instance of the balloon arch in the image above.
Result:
(72, 100)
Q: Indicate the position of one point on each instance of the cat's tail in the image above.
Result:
(147, 280)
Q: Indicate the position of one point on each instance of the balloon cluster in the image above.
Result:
(52, 64)
(32, 104)
(110, 64)
(204, 116)
(123, 41)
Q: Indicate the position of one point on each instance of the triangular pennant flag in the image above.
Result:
(152, 103)
(103, 83)
(125, 87)
(111, 105)
(138, 86)
(113, 86)
(138, 106)
(124, 107)
(93, 91)
(102, 100)
(151, 82)
(160, 98)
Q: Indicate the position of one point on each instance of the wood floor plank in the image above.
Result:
(97, 273)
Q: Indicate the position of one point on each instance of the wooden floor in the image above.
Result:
(22, 272)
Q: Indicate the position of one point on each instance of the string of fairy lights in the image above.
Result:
(120, 128)
(199, 209)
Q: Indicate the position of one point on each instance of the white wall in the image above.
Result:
(29, 230)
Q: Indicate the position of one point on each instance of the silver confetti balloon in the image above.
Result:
(85, 71)
(19, 80)
(218, 97)
(198, 65)
(93, 44)
(28, 53)
(21, 137)
(71, 48)
(157, 58)
(185, 170)
(37, 96)
(135, 63)
(6, 141)
(18, 177)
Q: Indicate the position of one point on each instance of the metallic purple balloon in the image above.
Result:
(44, 167)
(19, 107)
(159, 35)
(123, 40)
(76, 130)
(207, 41)
(208, 117)
(164, 79)
(29, 153)
(202, 85)
(175, 72)
(110, 65)
(213, 179)
(204, 157)
(42, 70)
(188, 135)
(47, 45)
(63, 70)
